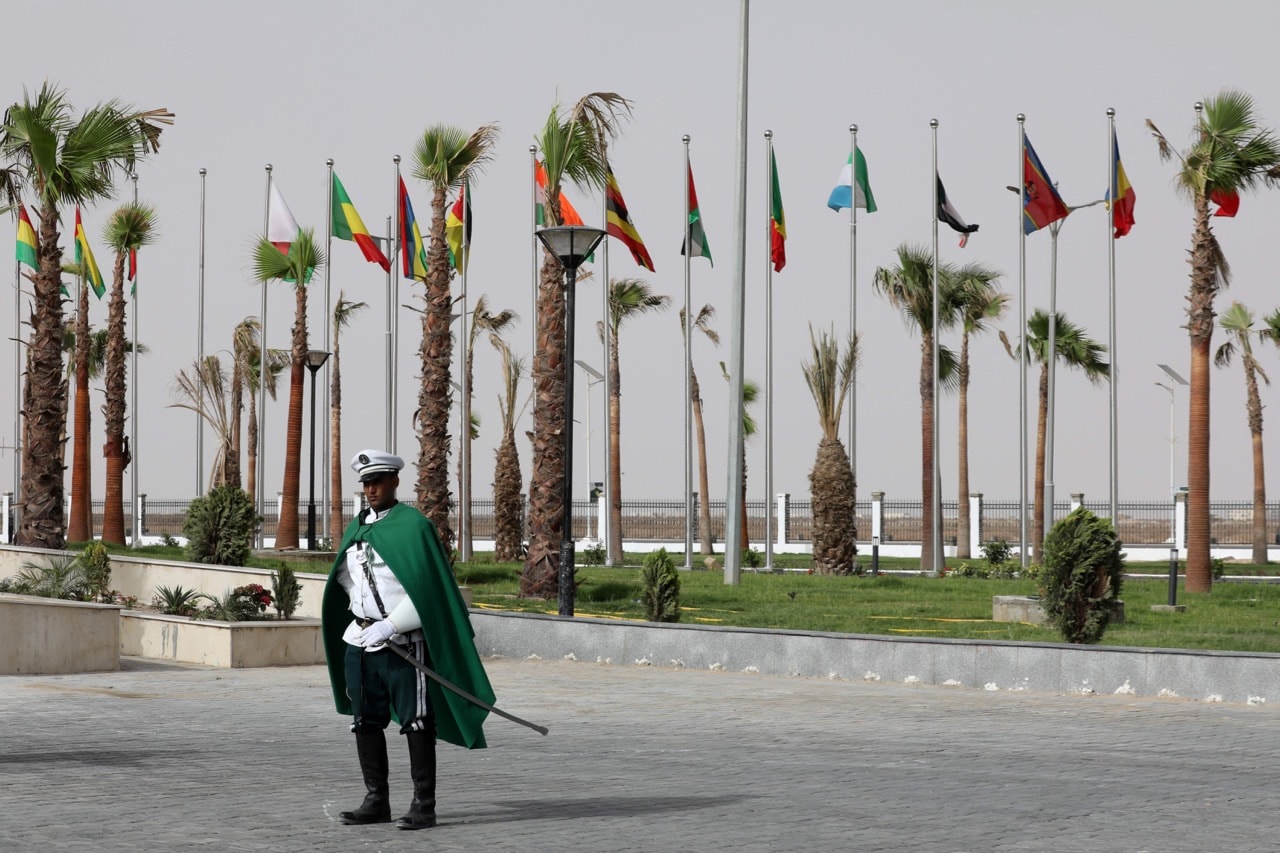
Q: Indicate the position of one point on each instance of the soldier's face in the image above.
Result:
(381, 491)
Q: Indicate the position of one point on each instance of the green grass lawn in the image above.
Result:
(1233, 617)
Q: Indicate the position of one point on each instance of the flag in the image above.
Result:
(567, 213)
(413, 252)
(1122, 210)
(618, 221)
(457, 230)
(949, 215)
(696, 235)
(84, 258)
(26, 239)
(1041, 203)
(133, 271)
(1228, 202)
(847, 193)
(347, 225)
(282, 228)
(777, 221)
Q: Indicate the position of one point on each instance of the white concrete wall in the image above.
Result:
(225, 644)
(46, 636)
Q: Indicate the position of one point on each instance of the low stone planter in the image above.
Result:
(1027, 608)
(49, 636)
(226, 644)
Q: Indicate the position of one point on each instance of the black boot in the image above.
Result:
(422, 767)
(371, 746)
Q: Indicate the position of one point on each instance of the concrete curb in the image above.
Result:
(1241, 677)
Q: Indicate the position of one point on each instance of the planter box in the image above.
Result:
(225, 644)
(48, 636)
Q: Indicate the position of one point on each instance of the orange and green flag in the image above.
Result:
(26, 239)
(777, 221)
(84, 258)
(567, 212)
(347, 225)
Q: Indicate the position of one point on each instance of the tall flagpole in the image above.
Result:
(737, 330)
(533, 249)
(688, 366)
(464, 430)
(199, 347)
(1052, 356)
(768, 357)
(1114, 467)
(606, 523)
(853, 303)
(326, 320)
(389, 347)
(1022, 355)
(393, 318)
(17, 391)
(264, 368)
(136, 526)
(935, 530)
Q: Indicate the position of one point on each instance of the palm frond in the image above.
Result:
(130, 227)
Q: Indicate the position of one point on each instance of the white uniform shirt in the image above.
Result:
(356, 582)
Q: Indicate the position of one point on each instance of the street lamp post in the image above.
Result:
(571, 245)
(315, 360)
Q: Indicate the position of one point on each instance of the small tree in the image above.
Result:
(661, 587)
(219, 527)
(95, 563)
(1082, 574)
(286, 591)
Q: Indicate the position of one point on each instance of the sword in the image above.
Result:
(450, 686)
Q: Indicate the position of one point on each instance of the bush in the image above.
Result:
(593, 555)
(1081, 576)
(242, 603)
(996, 553)
(751, 558)
(62, 578)
(661, 587)
(95, 562)
(287, 590)
(176, 600)
(219, 527)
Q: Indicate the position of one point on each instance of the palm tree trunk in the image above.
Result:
(113, 506)
(507, 503)
(435, 395)
(335, 443)
(80, 525)
(287, 531)
(45, 401)
(231, 465)
(251, 439)
(745, 544)
(704, 488)
(1254, 405)
(546, 511)
(615, 448)
(1200, 323)
(464, 470)
(964, 548)
(1042, 420)
(926, 451)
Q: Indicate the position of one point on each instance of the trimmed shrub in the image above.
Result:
(661, 587)
(95, 562)
(219, 527)
(1081, 576)
(287, 591)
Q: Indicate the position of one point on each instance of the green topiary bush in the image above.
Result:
(1081, 576)
(219, 527)
(287, 591)
(661, 587)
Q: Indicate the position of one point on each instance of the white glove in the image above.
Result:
(376, 634)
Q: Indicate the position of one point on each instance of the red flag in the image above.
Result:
(1228, 202)
(133, 264)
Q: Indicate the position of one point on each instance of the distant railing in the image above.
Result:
(1138, 522)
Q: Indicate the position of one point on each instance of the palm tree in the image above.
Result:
(909, 288)
(701, 322)
(1230, 151)
(628, 297)
(80, 523)
(981, 304)
(205, 391)
(62, 161)
(570, 145)
(130, 228)
(832, 487)
(296, 267)
(1075, 350)
(508, 503)
(277, 361)
(483, 320)
(343, 312)
(750, 391)
(1238, 323)
(444, 157)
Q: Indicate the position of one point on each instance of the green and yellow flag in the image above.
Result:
(26, 239)
(84, 257)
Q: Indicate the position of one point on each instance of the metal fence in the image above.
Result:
(1138, 522)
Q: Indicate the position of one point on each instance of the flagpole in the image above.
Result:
(464, 432)
(737, 331)
(1022, 354)
(935, 531)
(393, 309)
(199, 347)
(264, 369)
(1114, 467)
(136, 531)
(612, 557)
(1052, 356)
(768, 358)
(688, 366)
(326, 320)
(389, 346)
(17, 390)
(533, 248)
(853, 308)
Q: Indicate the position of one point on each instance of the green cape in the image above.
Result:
(408, 543)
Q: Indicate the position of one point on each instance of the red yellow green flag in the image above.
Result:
(777, 222)
(26, 239)
(84, 258)
(347, 225)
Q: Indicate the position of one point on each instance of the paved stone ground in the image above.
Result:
(159, 757)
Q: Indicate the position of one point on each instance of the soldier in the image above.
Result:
(391, 583)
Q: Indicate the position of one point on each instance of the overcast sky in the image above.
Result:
(293, 84)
